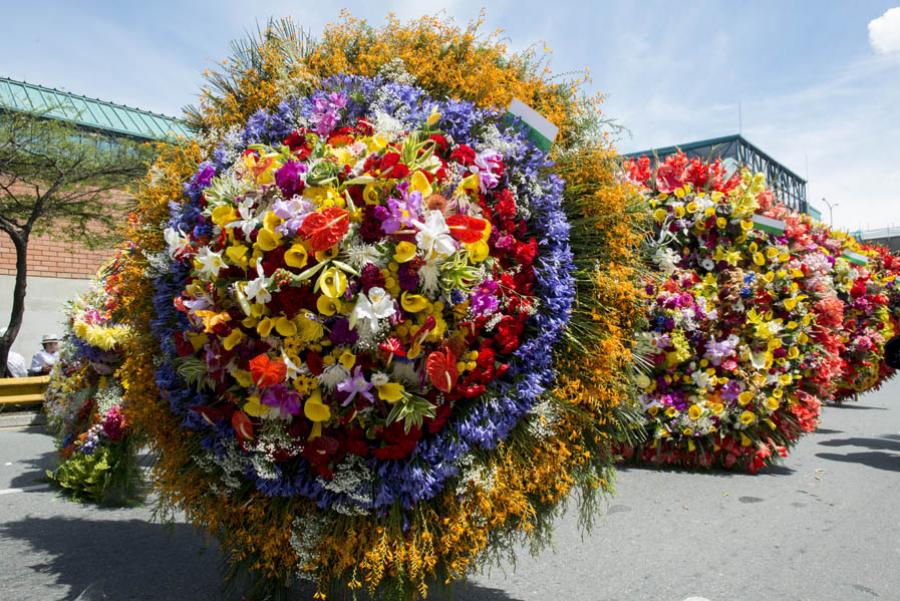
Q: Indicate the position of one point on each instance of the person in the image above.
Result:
(892, 352)
(44, 359)
(15, 363)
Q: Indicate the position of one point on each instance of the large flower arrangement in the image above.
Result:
(854, 284)
(357, 302)
(733, 335)
(83, 402)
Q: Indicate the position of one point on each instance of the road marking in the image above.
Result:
(9, 491)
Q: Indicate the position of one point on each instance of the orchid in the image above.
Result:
(372, 307)
(356, 384)
(433, 237)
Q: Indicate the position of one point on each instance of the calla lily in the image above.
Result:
(332, 282)
(413, 303)
(405, 251)
(296, 256)
(391, 392)
(233, 339)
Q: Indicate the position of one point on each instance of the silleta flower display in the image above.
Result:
(83, 402)
(360, 293)
(732, 335)
(366, 367)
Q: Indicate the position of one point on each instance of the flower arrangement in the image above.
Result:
(83, 402)
(368, 314)
(854, 284)
(733, 338)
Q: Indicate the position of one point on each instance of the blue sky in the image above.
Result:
(816, 91)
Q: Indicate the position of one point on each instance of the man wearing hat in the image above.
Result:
(43, 360)
(15, 363)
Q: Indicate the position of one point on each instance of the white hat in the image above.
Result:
(49, 338)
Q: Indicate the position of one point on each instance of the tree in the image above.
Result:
(56, 178)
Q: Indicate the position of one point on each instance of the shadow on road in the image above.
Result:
(34, 469)
(107, 560)
(876, 459)
(882, 443)
(856, 407)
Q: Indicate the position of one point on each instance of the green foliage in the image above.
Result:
(110, 476)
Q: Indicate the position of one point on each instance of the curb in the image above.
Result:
(17, 420)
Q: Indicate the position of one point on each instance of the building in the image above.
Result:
(735, 150)
(58, 271)
(889, 237)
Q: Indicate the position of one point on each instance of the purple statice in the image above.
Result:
(201, 179)
(271, 127)
(341, 333)
(483, 300)
(286, 400)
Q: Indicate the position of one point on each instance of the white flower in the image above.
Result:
(332, 376)
(248, 220)
(434, 235)
(210, 263)
(361, 254)
(257, 289)
(378, 304)
(666, 259)
(428, 277)
(177, 241)
(708, 264)
(380, 379)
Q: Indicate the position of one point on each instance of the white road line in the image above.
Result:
(9, 491)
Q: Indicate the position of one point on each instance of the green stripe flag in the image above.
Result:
(769, 225)
(538, 129)
(855, 258)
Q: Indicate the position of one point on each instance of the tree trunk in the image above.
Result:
(20, 242)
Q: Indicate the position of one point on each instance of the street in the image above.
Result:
(823, 525)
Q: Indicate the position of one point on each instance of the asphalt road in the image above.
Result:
(823, 526)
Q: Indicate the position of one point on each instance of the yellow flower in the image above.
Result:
(678, 209)
(333, 282)
(772, 404)
(478, 251)
(660, 215)
(643, 381)
(285, 326)
(721, 222)
(243, 377)
(296, 256)
(419, 183)
(433, 118)
(317, 412)
(717, 408)
(405, 251)
(695, 412)
(759, 259)
(347, 359)
(413, 303)
(747, 418)
(223, 215)
(237, 254)
(310, 329)
(233, 339)
(254, 408)
(264, 327)
(197, 340)
(391, 392)
(328, 306)
(371, 195)
(268, 240)
(745, 397)
(211, 319)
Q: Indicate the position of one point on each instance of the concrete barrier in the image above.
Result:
(23, 391)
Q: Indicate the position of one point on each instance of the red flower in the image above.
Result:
(325, 228)
(314, 363)
(464, 155)
(466, 229)
(242, 425)
(267, 372)
(506, 204)
(441, 368)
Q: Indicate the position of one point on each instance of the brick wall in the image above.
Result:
(52, 258)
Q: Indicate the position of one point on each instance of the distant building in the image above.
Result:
(889, 237)
(736, 151)
(59, 270)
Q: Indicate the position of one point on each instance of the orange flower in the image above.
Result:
(267, 372)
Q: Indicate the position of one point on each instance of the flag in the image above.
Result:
(538, 129)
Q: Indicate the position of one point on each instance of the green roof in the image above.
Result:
(89, 113)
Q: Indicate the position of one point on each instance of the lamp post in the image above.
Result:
(830, 211)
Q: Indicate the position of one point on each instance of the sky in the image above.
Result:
(817, 83)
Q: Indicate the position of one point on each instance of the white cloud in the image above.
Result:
(884, 32)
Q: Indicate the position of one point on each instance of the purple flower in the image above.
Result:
(400, 213)
(289, 179)
(408, 277)
(484, 299)
(356, 384)
(279, 395)
(490, 169)
(293, 211)
(371, 277)
(326, 112)
(341, 334)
